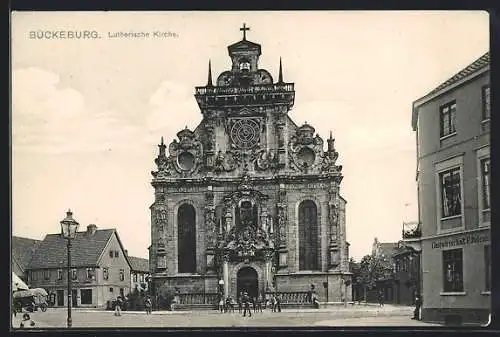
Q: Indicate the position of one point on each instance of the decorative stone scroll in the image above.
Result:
(264, 159)
(186, 155)
(305, 150)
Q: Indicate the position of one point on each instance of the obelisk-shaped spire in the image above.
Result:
(209, 82)
(280, 75)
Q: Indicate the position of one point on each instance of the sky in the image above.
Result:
(87, 114)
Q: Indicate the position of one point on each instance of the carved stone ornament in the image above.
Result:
(282, 221)
(186, 155)
(305, 151)
(160, 215)
(226, 162)
(247, 241)
(164, 166)
(265, 160)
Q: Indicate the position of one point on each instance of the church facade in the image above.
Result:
(249, 200)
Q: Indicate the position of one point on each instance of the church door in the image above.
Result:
(247, 281)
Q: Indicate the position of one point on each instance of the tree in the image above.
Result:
(369, 270)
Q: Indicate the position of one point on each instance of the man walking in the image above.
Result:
(118, 306)
(381, 298)
(148, 305)
(246, 303)
(418, 305)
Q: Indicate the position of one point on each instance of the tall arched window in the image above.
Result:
(308, 236)
(186, 235)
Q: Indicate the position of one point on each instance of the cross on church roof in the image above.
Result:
(244, 30)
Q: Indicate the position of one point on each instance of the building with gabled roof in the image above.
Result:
(22, 250)
(452, 129)
(139, 272)
(100, 270)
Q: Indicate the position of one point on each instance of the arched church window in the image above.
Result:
(308, 236)
(186, 239)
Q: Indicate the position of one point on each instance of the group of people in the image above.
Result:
(246, 303)
(119, 303)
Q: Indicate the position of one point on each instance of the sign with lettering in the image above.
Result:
(311, 186)
(464, 240)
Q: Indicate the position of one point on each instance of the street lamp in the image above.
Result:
(69, 227)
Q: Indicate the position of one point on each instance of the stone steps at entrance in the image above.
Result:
(190, 307)
(194, 307)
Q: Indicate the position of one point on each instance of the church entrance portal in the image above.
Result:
(247, 281)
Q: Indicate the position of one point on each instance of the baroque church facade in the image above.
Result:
(248, 200)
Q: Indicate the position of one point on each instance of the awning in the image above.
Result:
(18, 284)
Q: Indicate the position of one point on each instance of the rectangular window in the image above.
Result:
(485, 181)
(122, 274)
(73, 274)
(116, 253)
(453, 270)
(135, 277)
(141, 278)
(34, 275)
(447, 119)
(487, 267)
(59, 274)
(451, 201)
(86, 296)
(111, 253)
(111, 289)
(105, 273)
(90, 273)
(46, 274)
(486, 103)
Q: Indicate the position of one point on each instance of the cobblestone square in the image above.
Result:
(331, 317)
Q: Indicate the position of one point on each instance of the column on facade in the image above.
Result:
(225, 277)
(268, 275)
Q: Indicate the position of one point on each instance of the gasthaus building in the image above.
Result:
(452, 127)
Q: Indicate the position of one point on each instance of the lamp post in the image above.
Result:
(69, 227)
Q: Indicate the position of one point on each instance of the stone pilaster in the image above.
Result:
(210, 229)
(280, 133)
(333, 222)
(282, 227)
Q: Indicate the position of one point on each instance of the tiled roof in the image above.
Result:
(139, 264)
(475, 66)
(23, 249)
(85, 249)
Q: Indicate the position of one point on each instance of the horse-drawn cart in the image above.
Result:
(30, 300)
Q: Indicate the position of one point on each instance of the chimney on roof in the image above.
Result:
(91, 229)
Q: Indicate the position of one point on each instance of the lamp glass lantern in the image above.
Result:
(69, 226)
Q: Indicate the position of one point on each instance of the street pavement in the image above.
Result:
(362, 316)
